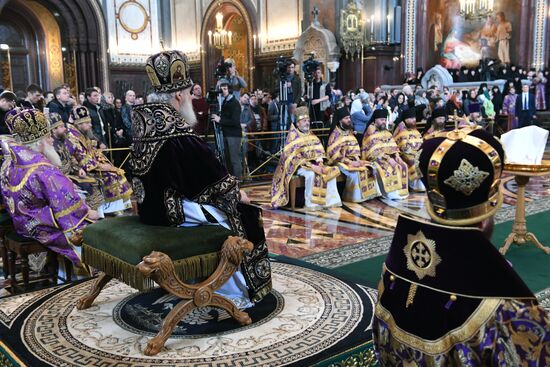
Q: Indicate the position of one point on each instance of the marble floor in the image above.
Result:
(299, 233)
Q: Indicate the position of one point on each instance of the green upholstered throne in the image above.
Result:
(141, 255)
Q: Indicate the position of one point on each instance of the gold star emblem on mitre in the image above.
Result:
(421, 256)
(466, 178)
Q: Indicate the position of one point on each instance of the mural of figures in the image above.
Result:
(455, 42)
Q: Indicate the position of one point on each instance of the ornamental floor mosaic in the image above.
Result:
(309, 317)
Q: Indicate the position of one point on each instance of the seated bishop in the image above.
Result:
(475, 119)
(343, 151)
(409, 140)
(40, 199)
(87, 187)
(447, 297)
(438, 118)
(178, 181)
(380, 149)
(116, 190)
(304, 155)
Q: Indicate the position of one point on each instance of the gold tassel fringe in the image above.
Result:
(194, 267)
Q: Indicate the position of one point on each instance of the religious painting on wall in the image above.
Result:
(460, 34)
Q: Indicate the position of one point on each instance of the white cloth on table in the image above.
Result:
(525, 145)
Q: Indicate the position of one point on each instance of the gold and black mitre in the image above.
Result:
(461, 171)
(55, 120)
(168, 71)
(80, 115)
(28, 126)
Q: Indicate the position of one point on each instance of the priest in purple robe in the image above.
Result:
(116, 190)
(41, 200)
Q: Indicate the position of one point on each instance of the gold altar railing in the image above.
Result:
(249, 138)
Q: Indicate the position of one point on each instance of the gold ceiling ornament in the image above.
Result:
(466, 178)
(351, 30)
(421, 256)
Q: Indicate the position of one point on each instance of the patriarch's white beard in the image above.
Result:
(187, 112)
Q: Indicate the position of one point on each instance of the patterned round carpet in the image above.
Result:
(309, 317)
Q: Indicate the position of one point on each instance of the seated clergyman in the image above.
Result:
(439, 117)
(304, 155)
(178, 181)
(380, 149)
(86, 186)
(475, 119)
(116, 190)
(41, 200)
(343, 150)
(409, 140)
(447, 297)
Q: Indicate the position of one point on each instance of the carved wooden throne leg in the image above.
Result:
(176, 314)
(160, 268)
(86, 301)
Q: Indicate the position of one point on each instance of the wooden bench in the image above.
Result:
(17, 245)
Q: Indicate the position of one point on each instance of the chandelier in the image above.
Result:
(476, 9)
(220, 38)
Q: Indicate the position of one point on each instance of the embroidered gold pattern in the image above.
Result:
(466, 178)
(421, 256)
(410, 297)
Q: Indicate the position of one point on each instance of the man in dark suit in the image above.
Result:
(525, 107)
(101, 124)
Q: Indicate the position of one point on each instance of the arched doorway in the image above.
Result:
(70, 42)
(238, 21)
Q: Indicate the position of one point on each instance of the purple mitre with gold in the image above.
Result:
(446, 294)
(40, 199)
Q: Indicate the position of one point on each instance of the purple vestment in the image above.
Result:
(89, 158)
(540, 93)
(42, 201)
(509, 108)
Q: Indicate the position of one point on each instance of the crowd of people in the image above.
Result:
(242, 115)
(57, 178)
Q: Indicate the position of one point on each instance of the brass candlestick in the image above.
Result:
(522, 173)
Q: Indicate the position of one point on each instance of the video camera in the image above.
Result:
(281, 65)
(309, 66)
(222, 68)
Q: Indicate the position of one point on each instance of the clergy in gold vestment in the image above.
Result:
(439, 116)
(409, 140)
(343, 150)
(380, 149)
(116, 190)
(304, 155)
